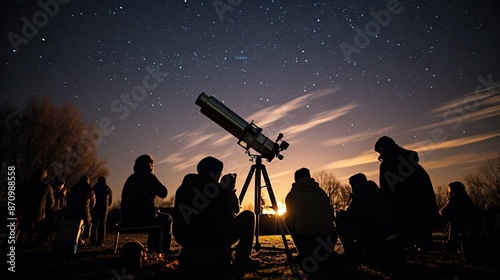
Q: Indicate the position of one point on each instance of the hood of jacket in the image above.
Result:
(306, 185)
(396, 152)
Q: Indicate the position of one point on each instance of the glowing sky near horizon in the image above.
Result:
(428, 77)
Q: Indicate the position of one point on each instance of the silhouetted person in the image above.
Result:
(104, 198)
(366, 228)
(55, 215)
(228, 181)
(309, 218)
(409, 191)
(34, 200)
(138, 203)
(80, 201)
(59, 194)
(204, 220)
(132, 257)
(460, 212)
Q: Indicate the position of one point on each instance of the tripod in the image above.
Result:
(258, 168)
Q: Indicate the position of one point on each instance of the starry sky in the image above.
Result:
(332, 76)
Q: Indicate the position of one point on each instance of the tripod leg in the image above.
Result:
(258, 205)
(247, 182)
(253, 170)
(281, 222)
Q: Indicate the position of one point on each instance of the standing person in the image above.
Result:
(309, 218)
(35, 200)
(59, 194)
(460, 212)
(204, 218)
(55, 215)
(104, 198)
(409, 191)
(138, 203)
(80, 201)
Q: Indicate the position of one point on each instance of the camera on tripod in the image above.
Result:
(249, 135)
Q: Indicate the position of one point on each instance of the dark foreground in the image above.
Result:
(102, 263)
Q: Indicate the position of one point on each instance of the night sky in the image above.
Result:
(332, 76)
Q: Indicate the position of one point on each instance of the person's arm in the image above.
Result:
(110, 197)
(234, 202)
(51, 202)
(289, 215)
(228, 184)
(92, 199)
(158, 188)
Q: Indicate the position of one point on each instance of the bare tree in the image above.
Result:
(55, 138)
(8, 121)
(337, 192)
(441, 196)
(166, 202)
(484, 186)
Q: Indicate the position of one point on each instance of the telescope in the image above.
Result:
(249, 135)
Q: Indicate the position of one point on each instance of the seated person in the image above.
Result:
(204, 218)
(137, 204)
(309, 217)
(460, 212)
(365, 227)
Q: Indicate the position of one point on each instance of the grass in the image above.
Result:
(102, 263)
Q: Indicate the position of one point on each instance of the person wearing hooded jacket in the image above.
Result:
(309, 218)
(409, 191)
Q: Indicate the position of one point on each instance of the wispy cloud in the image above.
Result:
(468, 108)
(320, 118)
(365, 158)
(370, 135)
(370, 157)
(284, 112)
(430, 147)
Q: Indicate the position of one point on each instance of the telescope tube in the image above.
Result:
(249, 135)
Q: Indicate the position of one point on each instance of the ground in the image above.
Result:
(101, 263)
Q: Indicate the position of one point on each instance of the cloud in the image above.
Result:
(468, 108)
(283, 112)
(370, 135)
(428, 147)
(320, 118)
(425, 152)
